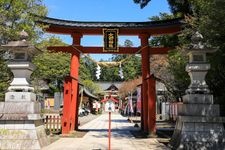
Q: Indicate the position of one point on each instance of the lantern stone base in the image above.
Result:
(22, 134)
(21, 126)
(199, 125)
(198, 133)
(20, 97)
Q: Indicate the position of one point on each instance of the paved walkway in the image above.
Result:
(97, 137)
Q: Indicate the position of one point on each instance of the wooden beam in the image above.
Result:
(99, 50)
(92, 50)
(163, 30)
(66, 49)
(159, 50)
(122, 50)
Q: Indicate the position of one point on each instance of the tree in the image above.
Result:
(142, 3)
(180, 7)
(177, 7)
(16, 16)
(52, 67)
(131, 65)
(179, 79)
(5, 79)
(129, 86)
(91, 86)
(170, 69)
(208, 19)
(86, 69)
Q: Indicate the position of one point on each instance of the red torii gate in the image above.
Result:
(141, 29)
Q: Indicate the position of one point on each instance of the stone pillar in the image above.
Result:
(21, 126)
(199, 125)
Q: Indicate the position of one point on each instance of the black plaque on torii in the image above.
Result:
(110, 40)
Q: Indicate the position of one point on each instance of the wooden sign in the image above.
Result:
(109, 106)
(110, 40)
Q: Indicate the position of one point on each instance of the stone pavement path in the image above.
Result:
(97, 137)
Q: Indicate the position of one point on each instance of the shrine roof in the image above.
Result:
(55, 25)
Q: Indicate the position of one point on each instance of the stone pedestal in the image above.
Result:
(21, 126)
(199, 125)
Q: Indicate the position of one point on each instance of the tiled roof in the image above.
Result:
(91, 24)
(86, 92)
(105, 85)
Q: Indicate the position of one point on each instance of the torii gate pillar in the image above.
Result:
(148, 89)
(145, 74)
(71, 88)
(152, 105)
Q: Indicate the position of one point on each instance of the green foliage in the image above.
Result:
(180, 7)
(177, 62)
(209, 20)
(86, 69)
(207, 17)
(162, 16)
(216, 76)
(52, 67)
(110, 74)
(91, 86)
(16, 16)
(5, 76)
(174, 75)
(142, 3)
(128, 43)
(177, 7)
(131, 66)
(165, 40)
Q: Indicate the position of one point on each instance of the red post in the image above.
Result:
(109, 134)
(74, 73)
(74, 96)
(66, 106)
(152, 105)
(142, 112)
(145, 74)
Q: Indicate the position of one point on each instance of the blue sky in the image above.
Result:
(103, 10)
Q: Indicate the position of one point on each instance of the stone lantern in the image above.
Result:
(20, 53)
(198, 67)
(199, 125)
(21, 118)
